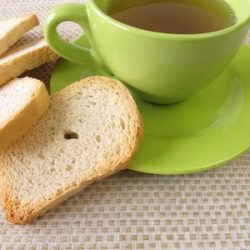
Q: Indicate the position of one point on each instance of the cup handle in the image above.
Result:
(76, 13)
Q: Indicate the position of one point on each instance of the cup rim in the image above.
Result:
(171, 36)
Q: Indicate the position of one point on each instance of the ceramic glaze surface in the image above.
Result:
(198, 134)
(161, 68)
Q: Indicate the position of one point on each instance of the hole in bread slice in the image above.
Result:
(69, 135)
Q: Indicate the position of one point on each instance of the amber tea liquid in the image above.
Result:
(174, 16)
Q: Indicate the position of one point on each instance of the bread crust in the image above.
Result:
(18, 213)
(14, 33)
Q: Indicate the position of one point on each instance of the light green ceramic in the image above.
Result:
(163, 68)
(205, 131)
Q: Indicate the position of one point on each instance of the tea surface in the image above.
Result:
(174, 16)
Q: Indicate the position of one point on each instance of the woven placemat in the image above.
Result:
(137, 211)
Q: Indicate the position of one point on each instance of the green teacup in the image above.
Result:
(162, 68)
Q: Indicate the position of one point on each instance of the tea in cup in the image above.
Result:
(165, 50)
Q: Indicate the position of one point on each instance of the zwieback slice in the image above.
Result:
(91, 130)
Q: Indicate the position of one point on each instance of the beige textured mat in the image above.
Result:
(137, 211)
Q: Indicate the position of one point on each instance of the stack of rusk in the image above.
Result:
(53, 147)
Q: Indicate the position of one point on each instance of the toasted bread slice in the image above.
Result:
(91, 130)
(11, 30)
(17, 61)
(23, 101)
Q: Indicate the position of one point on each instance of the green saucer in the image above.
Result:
(201, 133)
